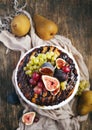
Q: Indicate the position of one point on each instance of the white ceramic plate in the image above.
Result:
(54, 106)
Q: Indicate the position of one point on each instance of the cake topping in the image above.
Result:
(47, 76)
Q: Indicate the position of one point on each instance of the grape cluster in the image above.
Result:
(36, 83)
(82, 86)
(35, 62)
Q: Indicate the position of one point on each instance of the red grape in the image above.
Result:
(66, 69)
(37, 90)
(36, 76)
(40, 84)
(32, 82)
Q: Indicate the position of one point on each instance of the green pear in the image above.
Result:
(45, 28)
(85, 103)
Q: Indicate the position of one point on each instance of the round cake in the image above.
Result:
(47, 77)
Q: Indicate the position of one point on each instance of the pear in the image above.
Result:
(84, 109)
(45, 28)
(85, 103)
(20, 25)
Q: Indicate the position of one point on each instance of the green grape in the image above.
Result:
(27, 65)
(53, 58)
(41, 61)
(34, 67)
(52, 53)
(37, 67)
(36, 61)
(31, 68)
(49, 57)
(44, 56)
(63, 85)
(40, 55)
(47, 54)
(32, 58)
(53, 63)
(55, 55)
(40, 64)
(25, 68)
(31, 62)
(28, 72)
(82, 86)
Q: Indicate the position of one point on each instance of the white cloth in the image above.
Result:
(64, 118)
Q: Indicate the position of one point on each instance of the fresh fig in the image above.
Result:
(55, 92)
(47, 69)
(28, 118)
(60, 75)
(60, 63)
(51, 83)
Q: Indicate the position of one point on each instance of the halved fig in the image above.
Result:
(28, 118)
(47, 69)
(50, 83)
(60, 63)
(55, 92)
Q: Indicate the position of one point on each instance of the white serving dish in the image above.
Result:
(54, 106)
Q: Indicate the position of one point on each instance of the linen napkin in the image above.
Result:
(64, 118)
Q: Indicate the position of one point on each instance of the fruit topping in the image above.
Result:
(38, 61)
(28, 118)
(47, 69)
(60, 75)
(60, 63)
(55, 92)
(48, 64)
(50, 83)
(63, 85)
(32, 82)
(47, 76)
(40, 84)
(66, 69)
(35, 76)
(37, 90)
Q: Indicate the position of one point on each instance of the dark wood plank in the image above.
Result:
(74, 19)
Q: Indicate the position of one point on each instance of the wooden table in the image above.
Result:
(74, 19)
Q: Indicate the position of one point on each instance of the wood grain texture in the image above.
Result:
(74, 19)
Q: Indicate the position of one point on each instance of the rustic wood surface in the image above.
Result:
(74, 19)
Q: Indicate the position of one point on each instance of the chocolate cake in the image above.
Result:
(36, 71)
